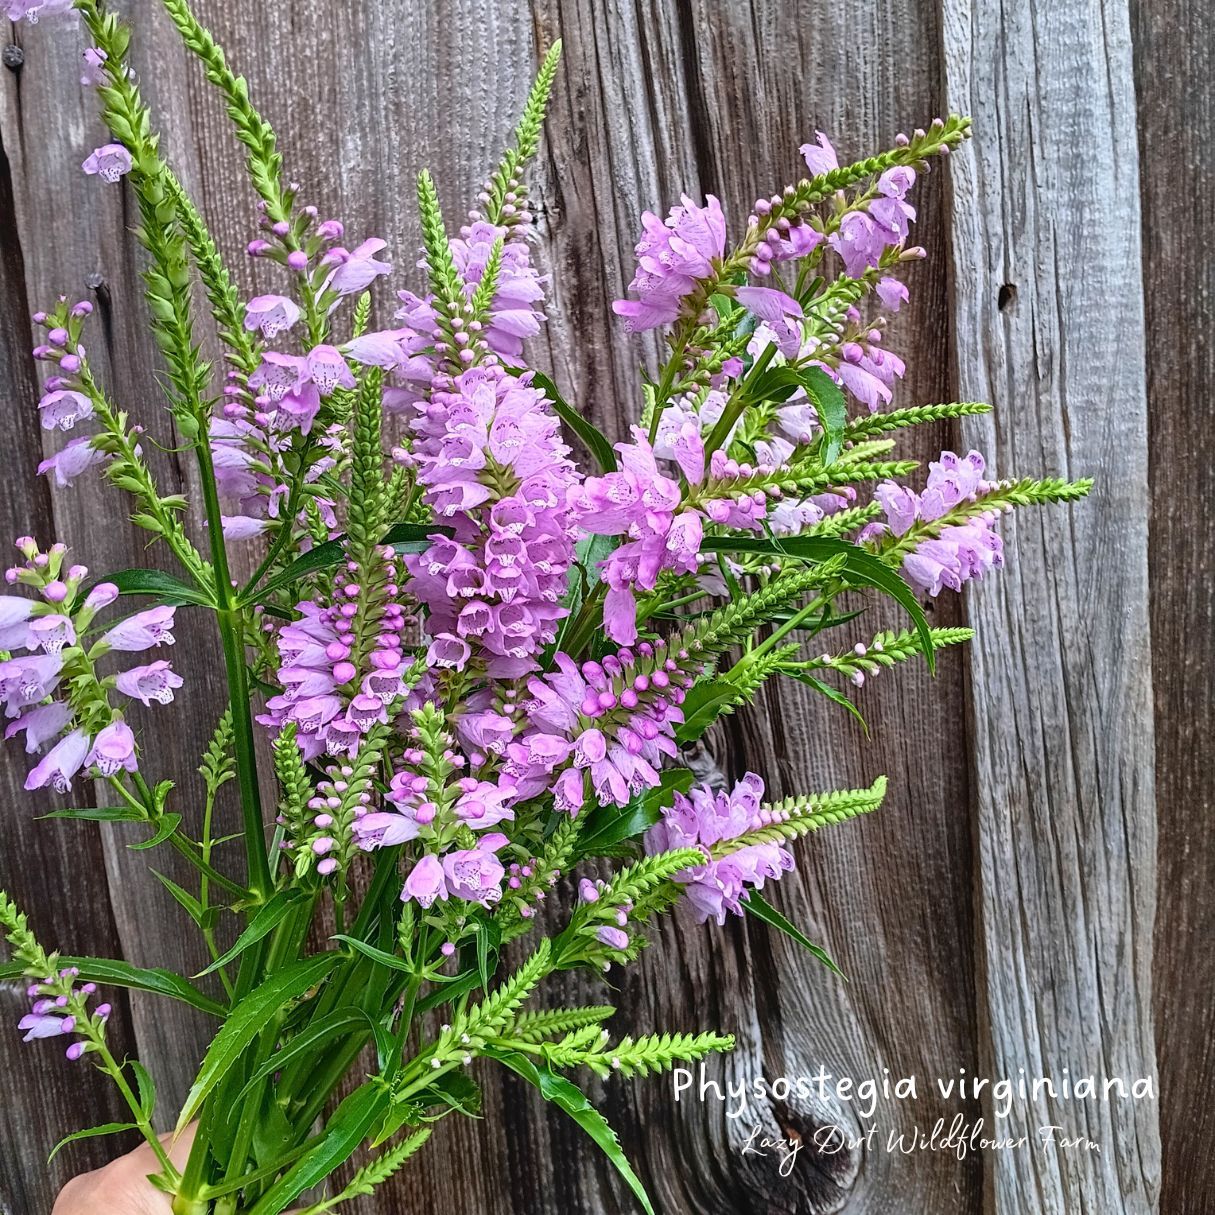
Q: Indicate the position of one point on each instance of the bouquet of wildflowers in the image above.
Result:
(477, 660)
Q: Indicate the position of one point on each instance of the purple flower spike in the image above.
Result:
(672, 256)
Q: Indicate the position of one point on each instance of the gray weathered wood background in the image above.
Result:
(1035, 894)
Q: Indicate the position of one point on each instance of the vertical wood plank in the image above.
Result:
(72, 233)
(656, 97)
(1176, 111)
(1048, 306)
(63, 888)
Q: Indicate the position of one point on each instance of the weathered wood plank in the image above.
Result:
(1048, 309)
(1173, 74)
(654, 98)
(63, 888)
(80, 245)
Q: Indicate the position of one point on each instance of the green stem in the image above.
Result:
(793, 622)
(204, 891)
(663, 392)
(185, 847)
(110, 1066)
(737, 402)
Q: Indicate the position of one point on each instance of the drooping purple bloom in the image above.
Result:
(34, 10)
(93, 72)
(243, 527)
(355, 269)
(672, 256)
(143, 631)
(60, 763)
(40, 723)
(113, 750)
(474, 875)
(78, 456)
(29, 680)
(109, 162)
(820, 156)
(426, 882)
(958, 554)
(272, 314)
(153, 682)
(14, 622)
(51, 633)
(62, 409)
(892, 293)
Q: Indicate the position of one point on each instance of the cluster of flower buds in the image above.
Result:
(310, 245)
(613, 719)
(339, 676)
(60, 1007)
(63, 404)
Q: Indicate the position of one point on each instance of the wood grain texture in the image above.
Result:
(997, 913)
(1177, 110)
(1049, 312)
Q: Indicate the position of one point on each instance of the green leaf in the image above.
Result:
(832, 694)
(759, 907)
(316, 1032)
(573, 1101)
(703, 705)
(862, 569)
(147, 1087)
(194, 909)
(341, 1138)
(376, 955)
(458, 986)
(109, 1128)
(122, 974)
(595, 441)
(831, 407)
(268, 917)
(247, 1020)
(413, 537)
(164, 587)
(456, 1090)
(489, 937)
(612, 825)
(165, 828)
(99, 814)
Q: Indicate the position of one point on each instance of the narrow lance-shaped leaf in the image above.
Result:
(123, 974)
(759, 907)
(247, 1020)
(92, 1132)
(573, 1101)
(267, 918)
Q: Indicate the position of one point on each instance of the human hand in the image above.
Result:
(122, 1187)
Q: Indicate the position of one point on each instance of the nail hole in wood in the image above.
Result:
(1006, 297)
